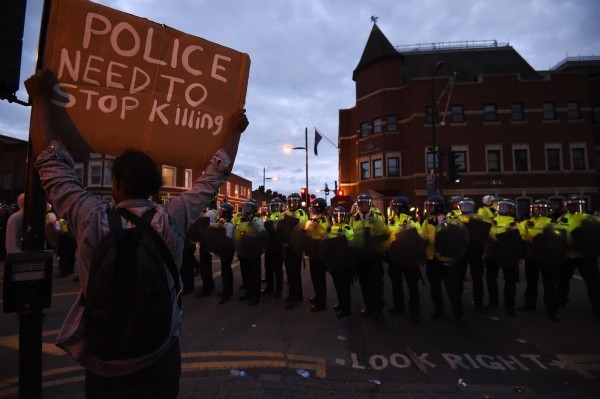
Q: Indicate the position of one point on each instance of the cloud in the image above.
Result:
(303, 54)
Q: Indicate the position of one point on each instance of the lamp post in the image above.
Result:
(266, 178)
(438, 66)
(305, 148)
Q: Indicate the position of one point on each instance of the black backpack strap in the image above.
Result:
(144, 222)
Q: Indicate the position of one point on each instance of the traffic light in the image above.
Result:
(12, 19)
(453, 168)
(340, 193)
(303, 192)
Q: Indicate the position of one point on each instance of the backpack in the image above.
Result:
(128, 304)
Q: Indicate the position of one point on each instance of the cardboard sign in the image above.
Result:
(130, 83)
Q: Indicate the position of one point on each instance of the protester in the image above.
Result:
(14, 228)
(135, 178)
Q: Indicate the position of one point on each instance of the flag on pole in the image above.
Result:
(318, 138)
(445, 93)
(449, 94)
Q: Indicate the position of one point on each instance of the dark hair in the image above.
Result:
(137, 173)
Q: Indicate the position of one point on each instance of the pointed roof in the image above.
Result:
(377, 47)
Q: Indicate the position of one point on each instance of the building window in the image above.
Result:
(95, 173)
(236, 191)
(489, 113)
(393, 167)
(7, 180)
(494, 161)
(460, 160)
(392, 123)
(364, 170)
(364, 129)
(458, 114)
(521, 160)
(377, 168)
(376, 125)
(432, 160)
(107, 173)
(516, 112)
(578, 158)
(228, 189)
(187, 178)
(573, 111)
(549, 114)
(553, 158)
(168, 175)
(429, 116)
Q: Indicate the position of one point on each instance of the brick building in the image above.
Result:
(501, 126)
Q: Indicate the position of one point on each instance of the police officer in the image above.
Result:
(500, 258)
(206, 273)
(226, 220)
(399, 220)
(587, 264)
(454, 212)
(488, 209)
(472, 259)
(293, 261)
(370, 263)
(274, 251)
(342, 276)
(533, 227)
(440, 268)
(318, 209)
(250, 265)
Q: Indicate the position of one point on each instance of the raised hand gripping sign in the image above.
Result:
(129, 83)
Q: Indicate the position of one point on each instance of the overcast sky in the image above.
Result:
(303, 53)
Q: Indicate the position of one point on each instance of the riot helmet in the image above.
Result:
(466, 206)
(574, 203)
(489, 200)
(506, 207)
(454, 200)
(226, 211)
(249, 207)
(294, 200)
(318, 206)
(435, 204)
(276, 205)
(339, 215)
(364, 199)
(539, 207)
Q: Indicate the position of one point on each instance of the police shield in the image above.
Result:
(274, 241)
(407, 248)
(284, 228)
(479, 229)
(371, 236)
(250, 239)
(215, 240)
(337, 253)
(306, 238)
(585, 239)
(451, 239)
(197, 229)
(507, 248)
(549, 248)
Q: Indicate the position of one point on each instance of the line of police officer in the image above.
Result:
(356, 245)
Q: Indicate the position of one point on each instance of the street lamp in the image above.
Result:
(289, 148)
(438, 66)
(266, 178)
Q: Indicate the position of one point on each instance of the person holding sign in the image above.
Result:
(135, 177)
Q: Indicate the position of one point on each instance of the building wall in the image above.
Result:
(474, 136)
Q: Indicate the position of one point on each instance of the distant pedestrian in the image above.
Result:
(14, 227)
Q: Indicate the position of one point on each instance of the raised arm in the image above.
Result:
(39, 87)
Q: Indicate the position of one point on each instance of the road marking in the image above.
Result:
(582, 364)
(12, 341)
(278, 360)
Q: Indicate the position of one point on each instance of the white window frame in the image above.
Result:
(553, 146)
(581, 146)
(494, 147)
(525, 147)
(187, 178)
(388, 156)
